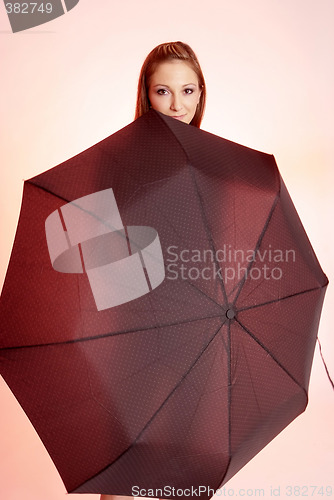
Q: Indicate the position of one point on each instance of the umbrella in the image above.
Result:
(160, 310)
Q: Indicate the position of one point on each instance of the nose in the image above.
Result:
(176, 103)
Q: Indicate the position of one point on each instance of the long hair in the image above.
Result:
(162, 53)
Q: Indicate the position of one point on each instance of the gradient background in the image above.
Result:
(270, 76)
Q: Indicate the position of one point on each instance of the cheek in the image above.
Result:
(192, 100)
(195, 101)
(198, 96)
(156, 101)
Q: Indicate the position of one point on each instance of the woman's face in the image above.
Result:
(174, 90)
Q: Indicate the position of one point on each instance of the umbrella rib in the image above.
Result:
(163, 403)
(257, 246)
(229, 397)
(324, 363)
(278, 299)
(187, 281)
(206, 226)
(203, 293)
(258, 341)
(89, 212)
(109, 334)
(46, 190)
(73, 202)
(229, 375)
(200, 397)
(250, 377)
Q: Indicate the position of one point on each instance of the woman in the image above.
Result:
(171, 81)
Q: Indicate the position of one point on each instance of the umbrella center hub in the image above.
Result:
(230, 313)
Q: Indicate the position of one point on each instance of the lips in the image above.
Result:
(179, 117)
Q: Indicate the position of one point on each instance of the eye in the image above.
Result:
(189, 91)
(162, 91)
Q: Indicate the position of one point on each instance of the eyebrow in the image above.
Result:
(163, 85)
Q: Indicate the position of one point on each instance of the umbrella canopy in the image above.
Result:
(160, 310)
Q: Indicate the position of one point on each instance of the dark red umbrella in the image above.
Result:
(160, 310)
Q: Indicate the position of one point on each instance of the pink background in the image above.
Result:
(270, 77)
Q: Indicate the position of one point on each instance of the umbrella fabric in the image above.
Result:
(160, 310)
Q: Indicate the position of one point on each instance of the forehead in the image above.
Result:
(173, 72)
